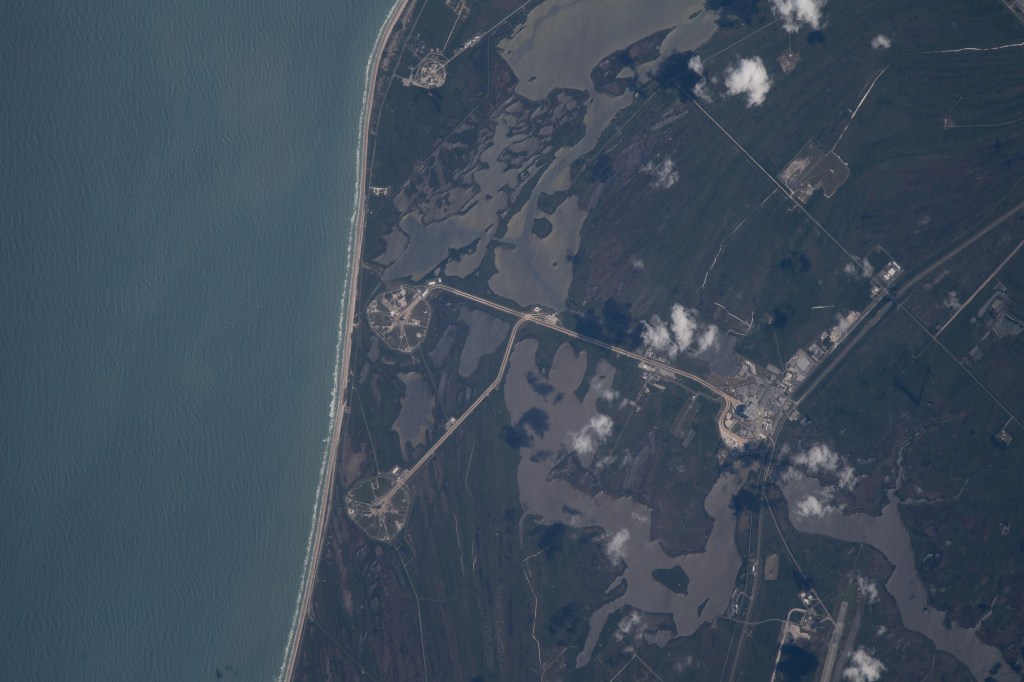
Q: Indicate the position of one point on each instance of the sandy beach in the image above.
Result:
(350, 312)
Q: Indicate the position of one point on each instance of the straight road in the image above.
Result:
(872, 316)
(541, 320)
(406, 476)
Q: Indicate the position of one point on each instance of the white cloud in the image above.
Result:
(707, 339)
(657, 338)
(796, 13)
(817, 458)
(748, 77)
(595, 432)
(684, 326)
(881, 41)
(811, 506)
(847, 478)
(867, 589)
(664, 172)
(629, 627)
(606, 393)
(615, 546)
(859, 268)
(952, 300)
(602, 426)
(637, 263)
(701, 89)
(683, 331)
(844, 322)
(821, 459)
(863, 667)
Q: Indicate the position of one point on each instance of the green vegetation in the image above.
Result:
(570, 572)
(674, 578)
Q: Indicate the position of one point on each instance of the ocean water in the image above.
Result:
(175, 204)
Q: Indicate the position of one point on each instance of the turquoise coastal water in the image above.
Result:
(175, 206)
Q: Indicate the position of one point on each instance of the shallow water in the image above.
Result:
(890, 536)
(712, 572)
(577, 34)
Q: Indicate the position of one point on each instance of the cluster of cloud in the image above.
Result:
(821, 459)
(867, 589)
(664, 172)
(637, 263)
(606, 393)
(630, 628)
(596, 431)
(863, 667)
(748, 77)
(881, 42)
(701, 89)
(952, 300)
(797, 13)
(845, 322)
(815, 507)
(861, 268)
(610, 396)
(682, 332)
(615, 546)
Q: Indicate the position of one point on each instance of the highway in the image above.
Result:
(958, 249)
(542, 320)
(871, 316)
(981, 287)
(383, 501)
(876, 311)
(880, 306)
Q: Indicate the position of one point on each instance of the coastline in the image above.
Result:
(346, 322)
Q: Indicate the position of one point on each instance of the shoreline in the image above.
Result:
(343, 359)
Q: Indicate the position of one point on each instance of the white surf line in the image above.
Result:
(976, 49)
(318, 522)
(721, 247)
(870, 88)
(986, 125)
(853, 114)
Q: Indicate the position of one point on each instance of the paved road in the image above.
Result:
(958, 249)
(407, 475)
(880, 306)
(542, 320)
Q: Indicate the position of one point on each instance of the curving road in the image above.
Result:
(545, 321)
